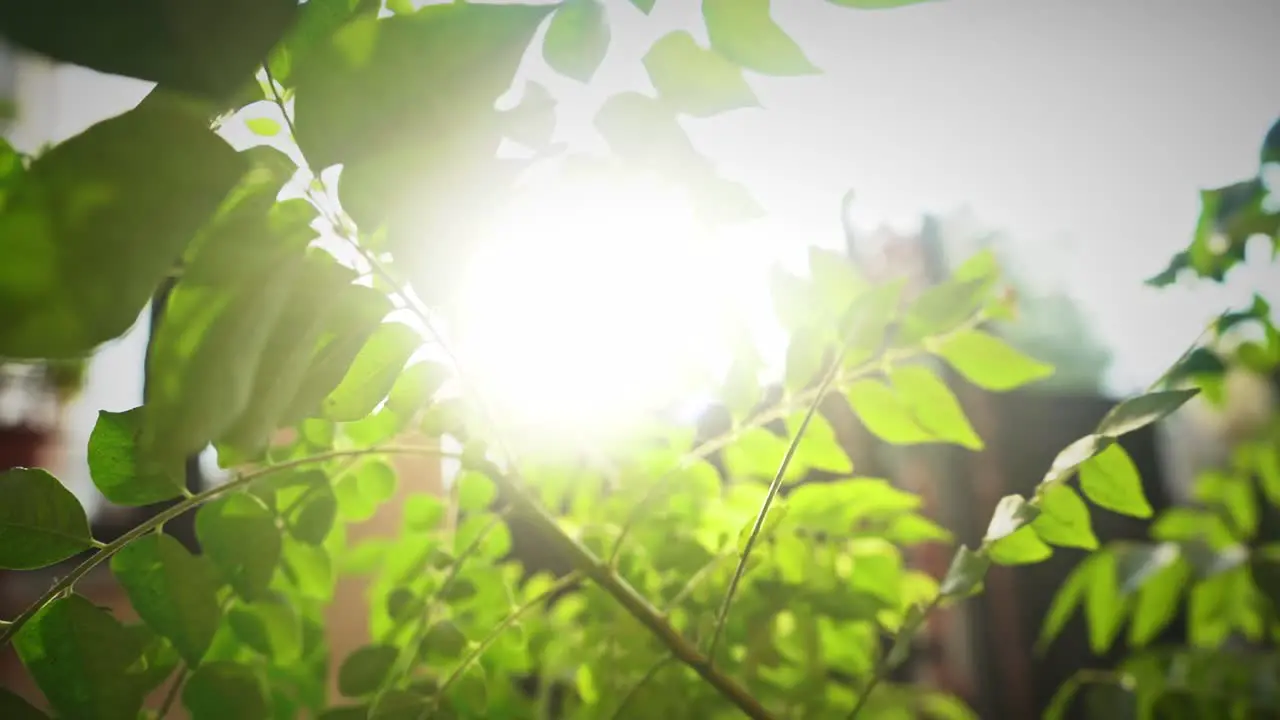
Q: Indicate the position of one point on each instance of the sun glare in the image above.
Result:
(590, 305)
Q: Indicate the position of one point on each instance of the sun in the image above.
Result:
(593, 302)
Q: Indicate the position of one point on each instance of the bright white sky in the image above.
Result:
(1083, 128)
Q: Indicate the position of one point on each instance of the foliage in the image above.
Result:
(693, 593)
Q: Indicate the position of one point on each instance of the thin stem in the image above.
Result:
(694, 581)
(275, 95)
(66, 582)
(172, 696)
(883, 667)
(644, 680)
(565, 582)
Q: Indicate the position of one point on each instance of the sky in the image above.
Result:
(1082, 128)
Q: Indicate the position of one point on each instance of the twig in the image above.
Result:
(644, 680)
(65, 583)
(172, 696)
(882, 668)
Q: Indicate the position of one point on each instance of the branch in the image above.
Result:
(644, 680)
(65, 583)
(887, 662)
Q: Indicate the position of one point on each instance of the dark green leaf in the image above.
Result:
(366, 669)
(13, 707)
(99, 220)
(443, 641)
(314, 518)
(221, 690)
(271, 627)
(373, 373)
(1136, 413)
(172, 591)
(965, 575)
(113, 463)
(41, 522)
(1157, 602)
(989, 362)
(1064, 518)
(1104, 604)
(1065, 601)
(933, 406)
(885, 414)
(1111, 480)
(744, 32)
(203, 47)
(238, 533)
(81, 658)
(698, 81)
(577, 39)
(159, 658)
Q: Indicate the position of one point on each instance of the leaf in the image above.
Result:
(315, 515)
(835, 279)
(744, 32)
(366, 669)
(1073, 455)
(373, 373)
(1065, 601)
(532, 123)
(1022, 547)
(644, 6)
(271, 627)
(174, 592)
(80, 658)
(202, 47)
(697, 81)
(884, 414)
(416, 387)
(220, 317)
(1137, 413)
(577, 39)
(220, 690)
(1011, 514)
(1157, 602)
(238, 533)
(113, 463)
(265, 127)
(965, 574)
(933, 406)
(1064, 519)
(475, 491)
(443, 641)
(41, 522)
(988, 362)
(645, 130)
(13, 707)
(1111, 480)
(99, 220)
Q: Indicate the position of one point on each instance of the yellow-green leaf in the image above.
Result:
(989, 362)
(744, 31)
(1064, 518)
(933, 406)
(884, 413)
(1110, 479)
(698, 81)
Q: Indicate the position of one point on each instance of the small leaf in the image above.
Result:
(644, 6)
(475, 491)
(586, 685)
(41, 522)
(80, 657)
(1011, 514)
(1065, 601)
(933, 406)
(577, 39)
(1111, 480)
(1157, 602)
(989, 362)
(1022, 547)
(698, 81)
(423, 512)
(113, 463)
(221, 690)
(443, 641)
(1064, 519)
(744, 31)
(1104, 603)
(13, 707)
(271, 627)
(1073, 455)
(172, 591)
(314, 518)
(266, 127)
(1136, 413)
(365, 670)
(373, 373)
(965, 574)
(238, 533)
(416, 387)
(884, 414)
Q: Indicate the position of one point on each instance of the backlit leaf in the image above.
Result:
(1104, 604)
(373, 373)
(1136, 413)
(885, 414)
(1011, 514)
(113, 463)
(698, 81)
(1069, 596)
(1064, 519)
(266, 127)
(1111, 480)
(744, 31)
(41, 522)
(577, 39)
(271, 627)
(989, 362)
(172, 591)
(238, 533)
(1022, 547)
(933, 406)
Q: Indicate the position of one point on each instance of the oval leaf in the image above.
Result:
(238, 533)
(221, 690)
(41, 522)
(577, 39)
(172, 591)
(1110, 479)
(698, 81)
(114, 467)
(373, 373)
(365, 670)
(1064, 519)
(884, 413)
(933, 406)
(989, 362)
(744, 31)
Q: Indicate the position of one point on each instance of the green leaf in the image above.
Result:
(1011, 514)
(443, 641)
(416, 386)
(271, 627)
(1022, 547)
(988, 362)
(99, 220)
(113, 463)
(41, 522)
(835, 279)
(1073, 456)
(1157, 602)
(577, 39)
(1064, 519)
(1111, 480)
(373, 373)
(744, 31)
(532, 123)
(475, 491)
(314, 518)
(220, 690)
(238, 533)
(964, 576)
(1069, 596)
(172, 591)
(644, 6)
(80, 657)
(645, 130)
(366, 669)
(309, 569)
(1136, 413)
(202, 47)
(1104, 603)
(933, 406)
(698, 81)
(266, 127)
(885, 414)
(423, 512)
(13, 707)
